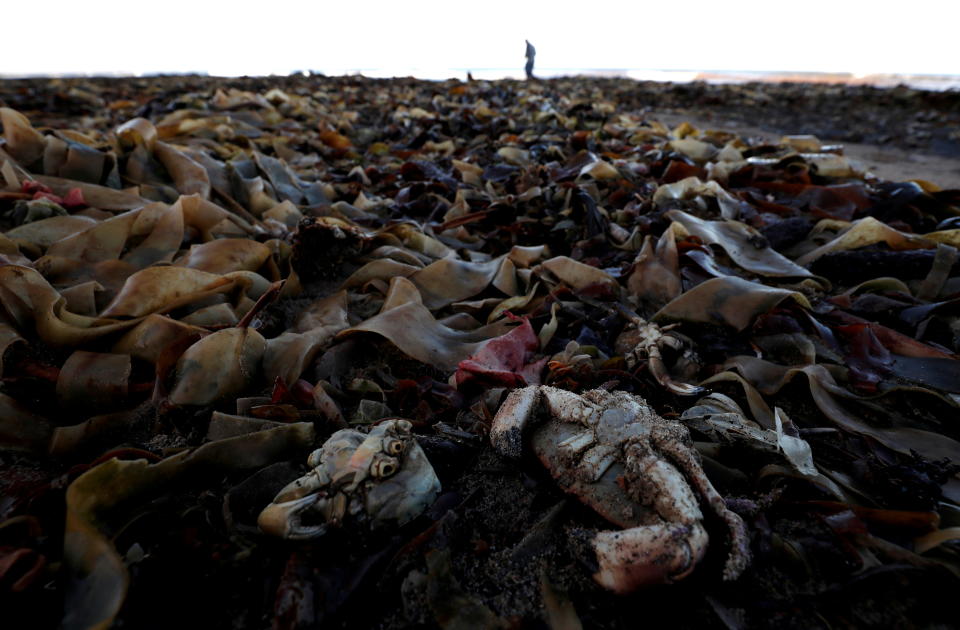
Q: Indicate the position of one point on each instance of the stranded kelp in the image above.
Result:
(202, 283)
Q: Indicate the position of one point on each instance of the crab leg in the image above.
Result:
(687, 461)
(569, 406)
(659, 553)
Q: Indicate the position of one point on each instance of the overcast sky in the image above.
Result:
(431, 37)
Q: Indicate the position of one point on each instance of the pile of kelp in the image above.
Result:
(195, 297)
(923, 120)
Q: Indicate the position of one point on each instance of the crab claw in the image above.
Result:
(286, 519)
(657, 553)
(506, 432)
(652, 554)
(659, 371)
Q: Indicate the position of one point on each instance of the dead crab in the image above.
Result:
(381, 477)
(635, 469)
(646, 340)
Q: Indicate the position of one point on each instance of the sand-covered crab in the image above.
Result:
(377, 478)
(636, 469)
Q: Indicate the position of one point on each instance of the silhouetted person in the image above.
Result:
(530, 54)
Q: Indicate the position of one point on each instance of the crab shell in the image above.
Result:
(634, 468)
(379, 478)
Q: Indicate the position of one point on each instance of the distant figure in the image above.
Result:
(530, 54)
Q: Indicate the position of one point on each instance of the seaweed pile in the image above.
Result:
(201, 283)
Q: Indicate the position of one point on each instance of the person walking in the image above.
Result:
(530, 54)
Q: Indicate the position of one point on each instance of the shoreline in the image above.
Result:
(920, 81)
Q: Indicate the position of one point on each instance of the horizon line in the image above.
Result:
(935, 81)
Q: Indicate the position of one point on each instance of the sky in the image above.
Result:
(435, 39)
